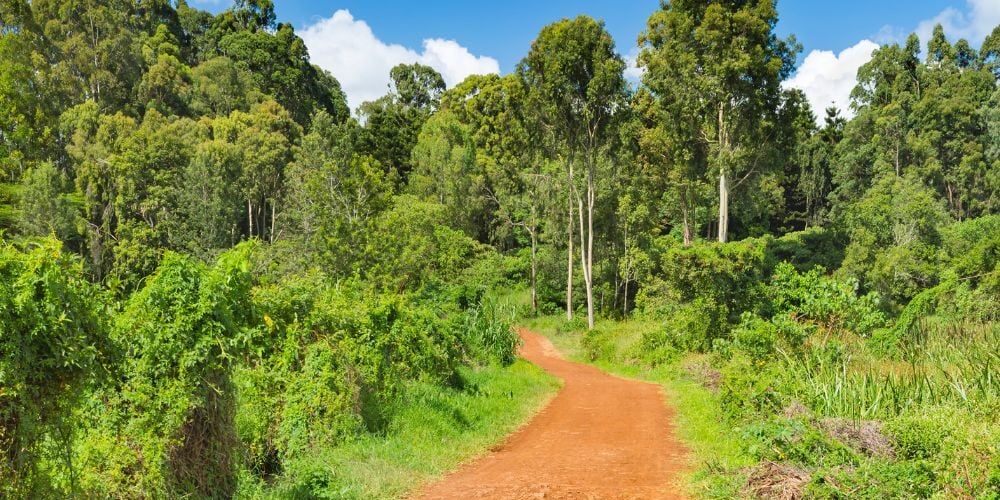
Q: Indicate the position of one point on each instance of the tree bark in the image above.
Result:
(684, 216)
(590, 244)
(625, 277)
(534, 274)
(587, 242)
(723, 180)
(249, 218)
(569, 247)
(274, 212)
(723, 206)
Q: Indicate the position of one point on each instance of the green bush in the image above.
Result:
(184, 330)
(918, 435)
(875, 479)
(797, 440)
(691, 326)
(832, 305)
(754, 337)
(727, 277)
(489, 331)
(753, 388)
(53, 343)
(814, 247)
(598, 344)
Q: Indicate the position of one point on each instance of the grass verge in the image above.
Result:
(434, 430)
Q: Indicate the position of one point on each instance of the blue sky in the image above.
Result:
(469, 36)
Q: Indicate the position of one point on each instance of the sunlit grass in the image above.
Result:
(435, 430)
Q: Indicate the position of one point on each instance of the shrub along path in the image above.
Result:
(601, 437)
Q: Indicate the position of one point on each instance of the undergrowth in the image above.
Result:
(434, 429)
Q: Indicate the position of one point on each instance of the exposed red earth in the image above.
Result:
(601, 437)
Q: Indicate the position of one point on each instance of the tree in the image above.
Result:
(335, 193)
(47, 207)
(575, 78)
(670, 157)
(265, 136)
(721, 62)
(446, 172)
(516, 181)
(218, 88)
(209, 213)
(393, 122)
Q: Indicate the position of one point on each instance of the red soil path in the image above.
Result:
(602, 437)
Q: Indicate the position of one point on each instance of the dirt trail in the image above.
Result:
(601, 437)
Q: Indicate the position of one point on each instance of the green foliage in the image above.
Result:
(135, 131)
(413, 246)
(725, 276)
(796, 440)
(53, 345)
(894, 232)
(46, 206)
(182, 333)
(816, 246)
(690, 326)
(489, 331)
(753, 388)
(910, 479)
(829, 304)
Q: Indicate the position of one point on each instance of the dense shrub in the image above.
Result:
(796, 440)
(689, 326)
(753, 388)
(598, 344)
(330, 361)
(169, 430)
(52, 343)
(725, 275)
(489, 331)
(816, 246)
(831, 304)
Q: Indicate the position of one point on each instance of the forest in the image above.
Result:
(220, 281)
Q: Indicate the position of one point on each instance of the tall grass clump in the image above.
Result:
(489, 330)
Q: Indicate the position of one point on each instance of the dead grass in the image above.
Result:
(779, 481)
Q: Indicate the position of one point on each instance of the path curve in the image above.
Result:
(602, 437)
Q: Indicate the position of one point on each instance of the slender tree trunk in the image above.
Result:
(684, 216)
(590, 245)
(249, 218)
(534, 274)
(625, 277)
(723, 206)
(569, 248)
(723, 180)
(273, 218)
(587, 243)
(583, 257)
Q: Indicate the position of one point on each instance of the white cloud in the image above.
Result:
(347, 48)
(827, 78)
(974, 24)
(633, 72)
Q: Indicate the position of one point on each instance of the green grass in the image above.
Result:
(714, 446)
(434, 430)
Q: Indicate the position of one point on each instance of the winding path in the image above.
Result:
(602, 437)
